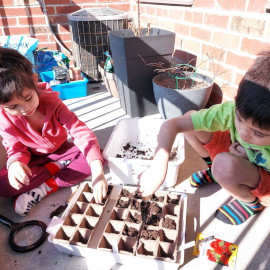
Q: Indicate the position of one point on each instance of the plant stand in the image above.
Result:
(174, 102)
(109, 80)
(133, 76)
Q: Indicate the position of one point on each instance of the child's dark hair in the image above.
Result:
(16, 73)
(253, 95)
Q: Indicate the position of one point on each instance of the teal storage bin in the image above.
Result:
(73, 89)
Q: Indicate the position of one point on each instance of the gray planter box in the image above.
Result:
(173, 102)
(134, 77)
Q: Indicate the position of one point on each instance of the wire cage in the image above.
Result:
(89, 34)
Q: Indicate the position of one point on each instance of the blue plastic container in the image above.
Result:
(73, 89)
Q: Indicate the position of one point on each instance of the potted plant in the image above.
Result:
(180, 89)
(134, 78)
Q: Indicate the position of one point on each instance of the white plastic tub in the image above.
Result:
(143, 131)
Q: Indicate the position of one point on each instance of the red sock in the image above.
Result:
(52, 184)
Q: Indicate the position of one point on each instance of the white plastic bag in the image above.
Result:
(23, 44)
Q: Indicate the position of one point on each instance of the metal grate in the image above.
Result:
(89, 34)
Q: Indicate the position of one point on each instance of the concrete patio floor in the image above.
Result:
(101, 112)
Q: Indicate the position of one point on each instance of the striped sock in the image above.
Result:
(201, 178)
(237, 212)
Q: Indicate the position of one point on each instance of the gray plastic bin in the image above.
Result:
(89, 34)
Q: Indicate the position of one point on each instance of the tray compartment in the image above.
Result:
(81, 237)
(147, 249)
(127, 245)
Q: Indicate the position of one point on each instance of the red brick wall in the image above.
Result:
(230, 31)
(26, 17)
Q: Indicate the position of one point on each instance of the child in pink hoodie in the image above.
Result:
(34, 124)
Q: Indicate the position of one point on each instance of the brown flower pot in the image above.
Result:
(109, 80)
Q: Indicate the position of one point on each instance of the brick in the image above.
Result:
(35, 11)
(197, 32)
(229, 92)
(232, 4)
(238, 78)
(41, 37)
(248, 25)
(27, 2)
(62, 28)
(6, 3)
(222, 72)
(50, 46)
(32, 20)
(50, 10)
(253, 46)
(167, 25)
(178, 41)
(8, 21)
(122, 7)
(176, 14)
(66, 9)
(12, 12)
(216, 20)
(191, 46)
(79, 2)
(109, 1)
(202, 65)
(226, 40)
(238, 61)
(16, 31)
(150, 10)
(218, 54)
(194, 17)
(181, 29)
(64, 36)
(57, 2)
(162, 12)
(204, 3)
(60, 19)
(254, 7)
(40, 29)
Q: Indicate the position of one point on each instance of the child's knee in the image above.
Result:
(224, 167)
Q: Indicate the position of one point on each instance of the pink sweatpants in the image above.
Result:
(76, 171)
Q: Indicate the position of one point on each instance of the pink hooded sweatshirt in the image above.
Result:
(20, 139)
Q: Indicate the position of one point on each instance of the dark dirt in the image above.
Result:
(144, 154)
(130, 231)
(157, 198)
(164, 80)
(173, 201)
(169, 224)
(152, 220)
(59, 210)
(126, 193)
(136, 218)
(123, 203)
(149, 234)
(135, 205)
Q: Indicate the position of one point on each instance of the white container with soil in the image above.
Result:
(181, 91)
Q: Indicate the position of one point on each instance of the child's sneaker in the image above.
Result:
(27, 200)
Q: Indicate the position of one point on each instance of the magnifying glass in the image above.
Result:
(25, 236)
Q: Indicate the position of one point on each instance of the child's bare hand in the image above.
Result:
(265, 201)
(238, 150)
(18, 174)
(149, 182)
(100, 188)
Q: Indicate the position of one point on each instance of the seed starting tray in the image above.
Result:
(125, 229)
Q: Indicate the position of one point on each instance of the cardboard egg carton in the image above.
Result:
(125, 226)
